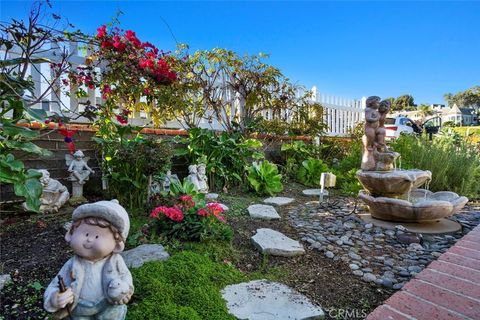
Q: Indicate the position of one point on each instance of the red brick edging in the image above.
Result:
(447, 289)
(166, 132)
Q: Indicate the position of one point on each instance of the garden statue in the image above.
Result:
(376, 156)
(391, 193)
(95, 283)
(202, 178)
(54, 194)
(193, 176)
(168, 180)
(79, 174)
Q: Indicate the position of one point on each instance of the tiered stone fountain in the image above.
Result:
(392, 194)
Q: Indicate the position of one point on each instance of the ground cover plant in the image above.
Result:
(187, 286)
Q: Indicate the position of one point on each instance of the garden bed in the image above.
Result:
(33, 250)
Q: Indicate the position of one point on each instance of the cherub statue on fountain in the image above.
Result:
(376, 156)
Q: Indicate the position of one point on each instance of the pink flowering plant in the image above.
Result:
(192, 221)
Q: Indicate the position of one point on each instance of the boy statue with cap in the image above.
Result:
(97, 283)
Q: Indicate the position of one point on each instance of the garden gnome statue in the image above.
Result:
(202, 178)
(193, 176)
(54, 194)
(95, 283)
(376, 156)
(79, 174)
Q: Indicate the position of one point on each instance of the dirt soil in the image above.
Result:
(327, 283)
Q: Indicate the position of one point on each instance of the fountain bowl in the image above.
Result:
(392, 183)
(424, 206)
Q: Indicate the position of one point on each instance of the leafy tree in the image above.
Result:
(403, 102)
(467, 98)
(425, 110)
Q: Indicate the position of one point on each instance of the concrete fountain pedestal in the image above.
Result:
(441, 226)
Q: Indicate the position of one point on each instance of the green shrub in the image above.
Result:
(187, 286)
(226, 155)
(454, 164)
(264, 178)
(310, 171)
(127, 165)
(346, 170)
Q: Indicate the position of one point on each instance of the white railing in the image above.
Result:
(340, 114)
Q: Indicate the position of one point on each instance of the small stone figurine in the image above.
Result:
(78, 168)
(95, 283)
(193, 176)
(79, 174)
(54, 194)
(202, 178)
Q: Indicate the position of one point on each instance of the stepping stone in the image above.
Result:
(276, 243)
(136, 257)
(211, 196)
(265, 300)
(278, 201)
(263, 211)
(4, 279)
(224, 207)
(314, 192)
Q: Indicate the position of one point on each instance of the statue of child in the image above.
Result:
(54, 194)
(202, 178)
(193, 176)
(380, 133)
(372, 117)
(98, 283)
(79, 170)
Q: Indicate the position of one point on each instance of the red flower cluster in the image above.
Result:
(187, 201)
(172, 213)
(213, 208)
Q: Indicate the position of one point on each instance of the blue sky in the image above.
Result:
(349, 49)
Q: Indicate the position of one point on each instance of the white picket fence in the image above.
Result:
(340, 114)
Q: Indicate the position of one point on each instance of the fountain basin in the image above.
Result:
(392, 183)
(424, 206)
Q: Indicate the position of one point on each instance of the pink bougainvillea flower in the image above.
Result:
(106, 91)
(102, 31)
(121, 118)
